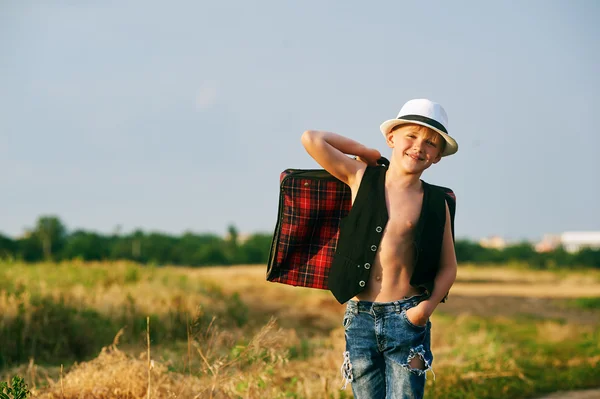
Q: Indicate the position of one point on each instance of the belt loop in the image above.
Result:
(416, 301)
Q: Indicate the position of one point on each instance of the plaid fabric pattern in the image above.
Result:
(311, 205)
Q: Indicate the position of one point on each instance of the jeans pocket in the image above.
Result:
(410, 323)
(348, 317)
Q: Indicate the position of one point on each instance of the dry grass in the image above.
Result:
(288, 341)
(260, 369)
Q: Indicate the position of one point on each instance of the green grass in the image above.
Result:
(585, 303)
(513, 359)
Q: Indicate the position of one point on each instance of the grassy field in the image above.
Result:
(227, 333)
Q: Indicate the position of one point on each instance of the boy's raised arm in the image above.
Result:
(330, 149)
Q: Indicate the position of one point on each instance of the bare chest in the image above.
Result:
(404, 210)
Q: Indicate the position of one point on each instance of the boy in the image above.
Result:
(395, 259)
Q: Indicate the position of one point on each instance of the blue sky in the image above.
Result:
(180, 116)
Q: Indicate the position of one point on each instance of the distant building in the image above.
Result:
(495, 242)
(571, 241)
(549, 243)
(574, 241)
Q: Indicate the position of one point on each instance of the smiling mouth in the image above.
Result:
(415, 157)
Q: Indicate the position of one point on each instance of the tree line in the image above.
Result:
(525, 253)
(49, 240)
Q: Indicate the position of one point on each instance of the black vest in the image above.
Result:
(362, 229)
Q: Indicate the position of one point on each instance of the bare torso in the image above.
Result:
(394, 262)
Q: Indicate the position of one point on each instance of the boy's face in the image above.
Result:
(416, 147)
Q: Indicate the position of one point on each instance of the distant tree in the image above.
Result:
(519, 252)
(29, 248)
(210, 255)
(49, 240)
(587, 257)
(51, 233)
(137, 239)
(467, 251)
(231, 247)
(232, 234)
(86, 245)
(159, 248)
(191, 250)
(129, 247)
(255, 250)
(553, 259)
(8, 247)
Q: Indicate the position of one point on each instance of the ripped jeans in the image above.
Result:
(380, 344)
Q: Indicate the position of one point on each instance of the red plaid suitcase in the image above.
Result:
(311, 204)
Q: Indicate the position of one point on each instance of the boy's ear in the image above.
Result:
(438, 158)
(389, 139)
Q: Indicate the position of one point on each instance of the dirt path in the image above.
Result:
(587, 394)
(480, 292)
(505, 293)
(509, 306)
(528, 289)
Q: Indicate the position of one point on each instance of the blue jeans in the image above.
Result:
(380, 344)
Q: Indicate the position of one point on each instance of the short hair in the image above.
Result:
(429, 133)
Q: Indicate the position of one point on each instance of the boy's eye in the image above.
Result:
(431, 143)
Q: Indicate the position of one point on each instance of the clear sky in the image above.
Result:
(175, 116)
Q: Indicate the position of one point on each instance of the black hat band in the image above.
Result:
(424, 119)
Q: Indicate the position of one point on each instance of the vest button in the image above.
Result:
(378, 229)
(367, 266)
(362, 283)
(373, 248)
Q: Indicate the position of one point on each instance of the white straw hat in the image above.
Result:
(426, 113)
